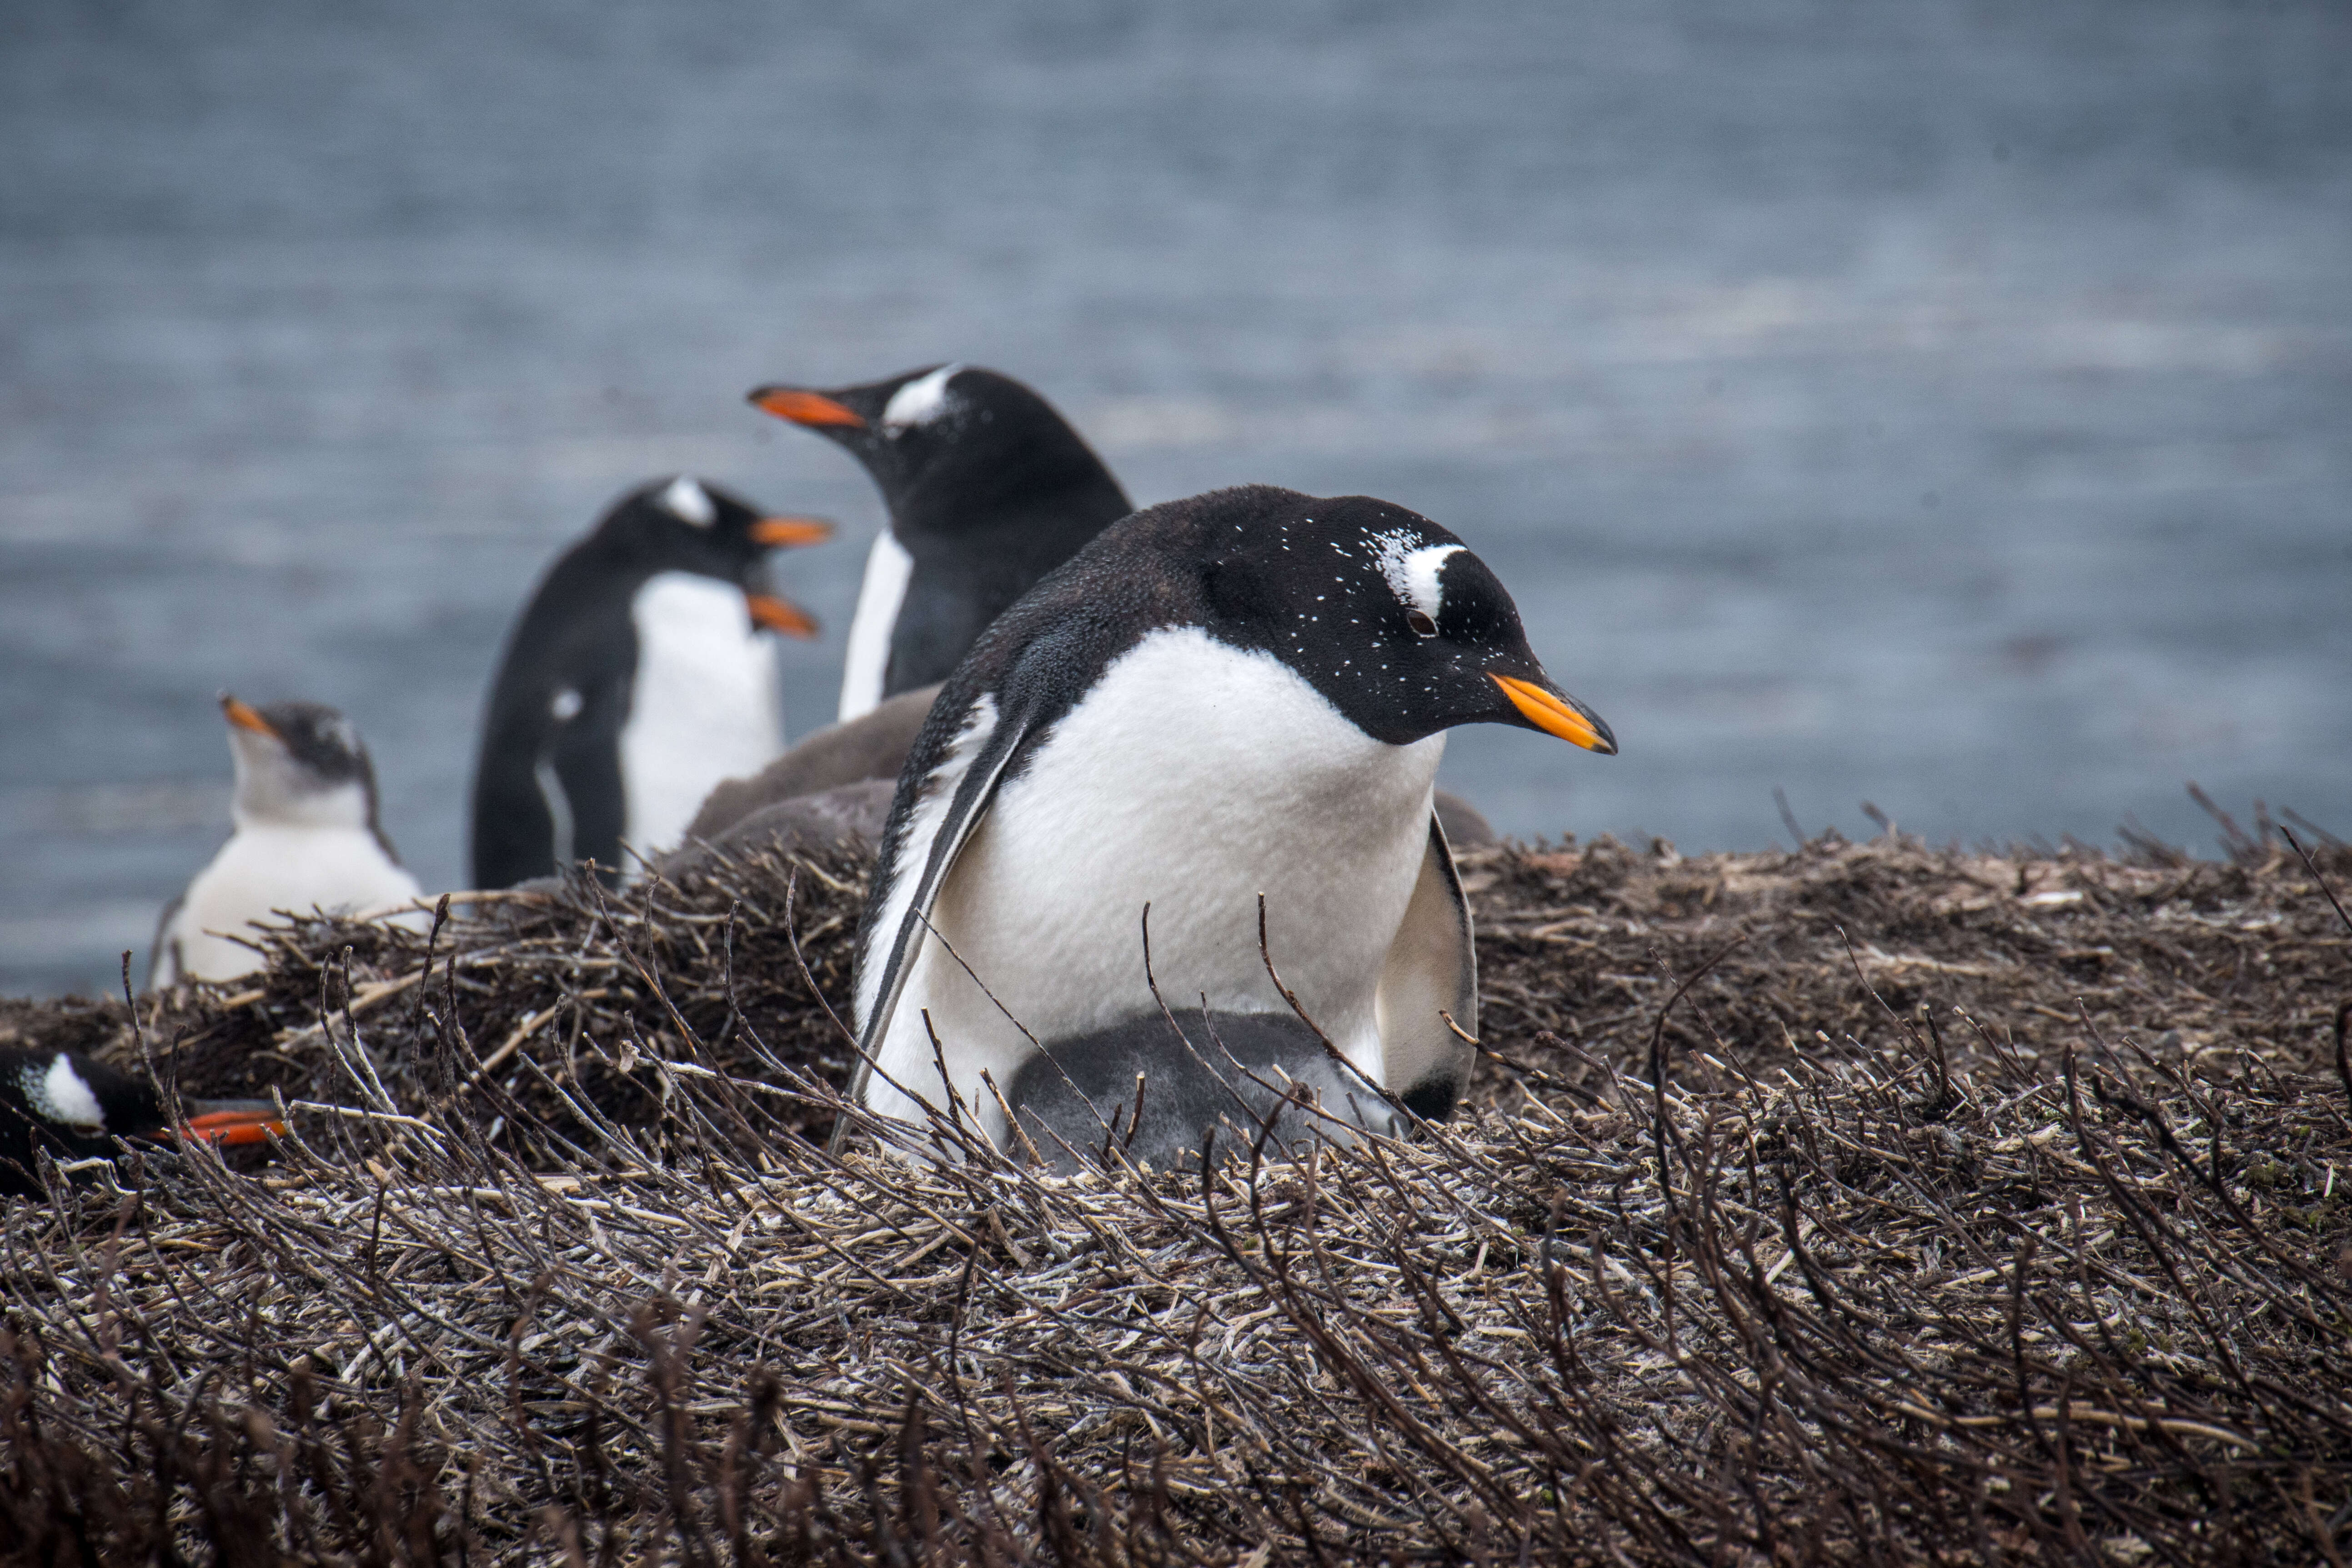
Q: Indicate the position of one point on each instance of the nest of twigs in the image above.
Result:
(1867, 1203)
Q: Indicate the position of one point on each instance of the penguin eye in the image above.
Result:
(1422, 626)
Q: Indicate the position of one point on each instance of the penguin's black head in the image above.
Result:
(1388, 616)
(951, 445)
(683, 524)
(69, 1092)
(74, 1108)
(299, 763)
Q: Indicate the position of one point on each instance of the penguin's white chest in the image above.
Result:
(1192, 777)
(865, 666)
(265, 867)
(702, 708)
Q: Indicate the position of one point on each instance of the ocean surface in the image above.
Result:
(1943, 405)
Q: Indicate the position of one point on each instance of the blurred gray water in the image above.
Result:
(1941, 404)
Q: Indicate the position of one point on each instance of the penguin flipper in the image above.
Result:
(931, 821)
(586, 762)
(514, 827)
(1431, 969)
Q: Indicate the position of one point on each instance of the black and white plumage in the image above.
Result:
(989, 490)
(1242, 693)
(306, 837)
(635, 681)
(74, 1108)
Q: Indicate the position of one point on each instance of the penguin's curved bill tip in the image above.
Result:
(244, 716)
(230, 1128)
(1556, 713)
(785, 532)
(805, 407)
(771, 614)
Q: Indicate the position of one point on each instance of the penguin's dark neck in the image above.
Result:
(1050, 501)
(973, 568)
(611, 565)
(593, 579)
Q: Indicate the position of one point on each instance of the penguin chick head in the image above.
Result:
(949, 443)
(298, 765)
(1387, 615)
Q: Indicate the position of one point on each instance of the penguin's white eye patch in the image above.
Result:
(687, 500)
(1419, 621)
(565, 708)
(60, 1094)
(921, 400)
(1413, 570)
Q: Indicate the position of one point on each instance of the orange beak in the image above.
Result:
(230, 1128)
(773, 614)
(805, 407)
(1556, 714)
(244, 716)
(784, 532)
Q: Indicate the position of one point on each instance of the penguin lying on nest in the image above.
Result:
(306, 837)
(1241, 694)
(989, 488)
(75, 1108)
(636, 680)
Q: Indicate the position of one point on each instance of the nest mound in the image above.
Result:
(1865, 1203)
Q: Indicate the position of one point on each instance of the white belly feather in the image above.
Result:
(1193, 778)
(265, 868)
(704, 706)
(865, 666)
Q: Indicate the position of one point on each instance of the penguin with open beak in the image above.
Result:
(989, 488)
(1243, 695)
(74, 1108)
(307, 837)
(636, 679)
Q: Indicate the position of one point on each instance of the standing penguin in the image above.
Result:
(636, 680)
(1239, 694)
(306, 837)
(989, 488)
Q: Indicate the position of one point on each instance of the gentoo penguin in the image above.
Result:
(75, 1108)
(636, 680)
(1155, 1085)
(989, 488)
(1241, 694)
(306, 838)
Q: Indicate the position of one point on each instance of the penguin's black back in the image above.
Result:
(576, 634)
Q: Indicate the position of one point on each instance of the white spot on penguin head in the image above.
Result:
(921, 400)
(1413, 570)
(60, 1095)
(689, 502)
(565, 707)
